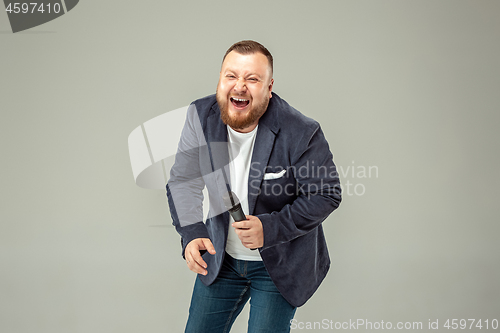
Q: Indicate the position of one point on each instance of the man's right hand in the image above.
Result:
(193, 257)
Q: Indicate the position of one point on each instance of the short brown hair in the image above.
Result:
(250, 47)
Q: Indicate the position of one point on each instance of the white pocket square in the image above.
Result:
(274, 175)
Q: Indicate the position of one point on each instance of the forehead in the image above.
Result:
(253, 62)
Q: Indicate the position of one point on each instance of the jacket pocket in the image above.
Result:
(274, 175)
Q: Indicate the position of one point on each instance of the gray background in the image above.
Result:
(411, 87)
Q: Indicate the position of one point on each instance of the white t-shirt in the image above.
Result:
(240, 146)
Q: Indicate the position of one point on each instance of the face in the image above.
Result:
(244, 90)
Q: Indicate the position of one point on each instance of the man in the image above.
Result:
(278, 163)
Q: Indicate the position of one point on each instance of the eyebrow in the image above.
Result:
(234, 72)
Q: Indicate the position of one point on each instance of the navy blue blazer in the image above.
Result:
(291, 204)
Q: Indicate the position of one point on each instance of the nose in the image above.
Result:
(240, 85)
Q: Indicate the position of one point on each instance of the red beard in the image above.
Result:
(239, 123)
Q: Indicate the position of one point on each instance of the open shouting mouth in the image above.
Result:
(239, 103)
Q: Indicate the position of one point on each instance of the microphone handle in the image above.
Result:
(238, 215)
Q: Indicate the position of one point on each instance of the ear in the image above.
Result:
(271, 88)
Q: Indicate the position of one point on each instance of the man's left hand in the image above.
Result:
(250, 232)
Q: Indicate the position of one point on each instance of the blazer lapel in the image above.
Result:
(217, 142)
(264, 142)
(217, 147)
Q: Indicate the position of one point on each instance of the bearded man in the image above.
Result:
(248, 140)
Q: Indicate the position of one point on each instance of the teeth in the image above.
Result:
(240, 100)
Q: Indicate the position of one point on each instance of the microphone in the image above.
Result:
(233, 206)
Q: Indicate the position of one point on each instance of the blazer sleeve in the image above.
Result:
(185, 185)
(318, 188)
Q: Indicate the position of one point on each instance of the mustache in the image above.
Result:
(244, 96)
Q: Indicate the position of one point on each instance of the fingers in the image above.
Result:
(250, 222)
(242, 224)
(249, 245)
(250, 232)
(208, 245)
(248, 227)
(195, 263)
(193, 257)
(245, 224)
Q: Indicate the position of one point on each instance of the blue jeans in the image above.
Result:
(214, 308)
